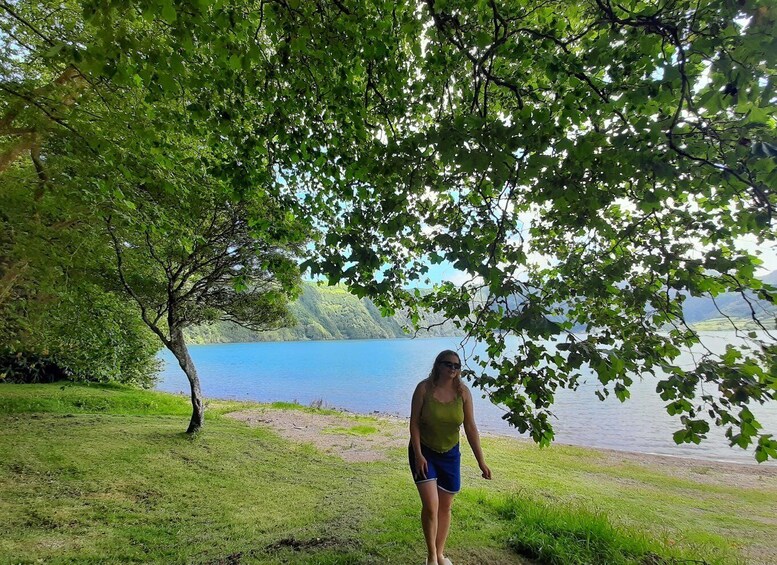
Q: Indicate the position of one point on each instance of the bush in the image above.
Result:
(60, 313)
(89, 336)
(28, 368)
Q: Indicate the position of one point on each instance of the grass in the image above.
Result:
(571, 535)
(301, 408)
(69, 398)
(358, 430)
(105, 474)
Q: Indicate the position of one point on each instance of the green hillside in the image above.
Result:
(727, 324)
(331, 312)
(729, 308)
(325, 312)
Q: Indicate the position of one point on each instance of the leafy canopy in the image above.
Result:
(589, 165)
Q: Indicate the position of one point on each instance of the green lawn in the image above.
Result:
(106, 474)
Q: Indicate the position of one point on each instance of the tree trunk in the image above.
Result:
(181, 352)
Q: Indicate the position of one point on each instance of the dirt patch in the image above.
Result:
(232, 559)
(293, 544)
(716, 473)
(343, 434)
(307, 544)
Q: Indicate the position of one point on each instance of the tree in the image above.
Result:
(195, 233)
(588, 164)
(58, 308)
(207, 263)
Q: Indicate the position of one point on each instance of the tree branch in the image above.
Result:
(120, 269)
(16, 16)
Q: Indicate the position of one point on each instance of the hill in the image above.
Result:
(326, 312)
(705, 313)
(331, 312)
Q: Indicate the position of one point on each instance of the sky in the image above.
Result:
(768, 254)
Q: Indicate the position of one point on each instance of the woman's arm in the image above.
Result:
(473, 437)
(415, 429)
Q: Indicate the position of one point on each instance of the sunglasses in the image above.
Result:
(454, 366)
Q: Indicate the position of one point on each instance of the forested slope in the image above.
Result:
(331, 312)
(325, 312)
(731, 307)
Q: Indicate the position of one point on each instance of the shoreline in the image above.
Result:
(770, 464)
(658, 460)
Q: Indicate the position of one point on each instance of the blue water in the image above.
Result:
(380, 375)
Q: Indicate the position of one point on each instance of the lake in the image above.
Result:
(380, 375)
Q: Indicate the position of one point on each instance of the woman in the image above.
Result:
(441, 403)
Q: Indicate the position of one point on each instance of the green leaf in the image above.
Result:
(680, 436)
(168, 11)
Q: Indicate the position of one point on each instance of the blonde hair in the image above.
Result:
(434, 374)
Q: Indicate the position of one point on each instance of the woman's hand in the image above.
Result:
(420, 467)
(486, 472)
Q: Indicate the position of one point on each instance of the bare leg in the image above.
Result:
(445, 501)
(429, 509)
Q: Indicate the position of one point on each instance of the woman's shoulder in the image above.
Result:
(422, 387)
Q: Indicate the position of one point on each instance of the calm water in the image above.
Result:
(380, 375)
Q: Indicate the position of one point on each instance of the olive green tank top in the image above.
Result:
(440, 423)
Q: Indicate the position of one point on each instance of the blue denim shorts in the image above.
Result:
(445, 468)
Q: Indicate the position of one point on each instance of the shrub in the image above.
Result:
(25, 368)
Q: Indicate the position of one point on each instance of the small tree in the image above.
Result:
(206, 259)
